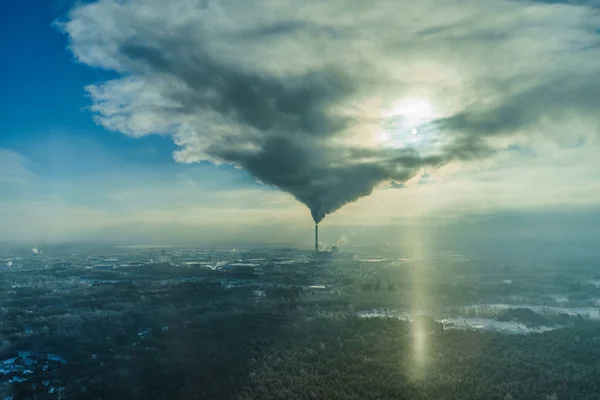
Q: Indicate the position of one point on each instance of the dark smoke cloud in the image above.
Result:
(267, 92)
(321, 178)
(291, 118)
(555, 100)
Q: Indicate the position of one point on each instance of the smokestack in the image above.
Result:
(316, 238)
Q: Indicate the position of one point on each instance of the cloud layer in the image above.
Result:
(14, 168)
(324, 100)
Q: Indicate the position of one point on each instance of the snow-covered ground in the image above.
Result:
(490, 309)
(19, 369)
(480, 317)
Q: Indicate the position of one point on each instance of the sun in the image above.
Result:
(405, 123)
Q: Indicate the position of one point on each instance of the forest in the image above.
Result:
(204, 341)
(158, 331)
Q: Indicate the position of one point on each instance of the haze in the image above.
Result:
(231, 121)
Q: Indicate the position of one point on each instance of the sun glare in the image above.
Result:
(404, 122)
(414, 110)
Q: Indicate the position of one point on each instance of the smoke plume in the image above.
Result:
(303, 95)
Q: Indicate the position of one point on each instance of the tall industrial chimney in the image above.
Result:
(316, 238)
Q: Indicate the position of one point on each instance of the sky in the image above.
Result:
(205, 121)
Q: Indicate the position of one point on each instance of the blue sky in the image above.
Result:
(45, 119)
(44, 105)
(45, 114)
(45, 109)
(436, 88)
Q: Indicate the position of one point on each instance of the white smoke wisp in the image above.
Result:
(35, 250)
(341, 241)
(9, 264)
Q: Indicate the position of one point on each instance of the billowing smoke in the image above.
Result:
(302, 94)
(341, 241)
(9, 264)
(35, 250)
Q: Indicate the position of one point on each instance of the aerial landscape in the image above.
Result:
(162, 322)
(300, 199)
